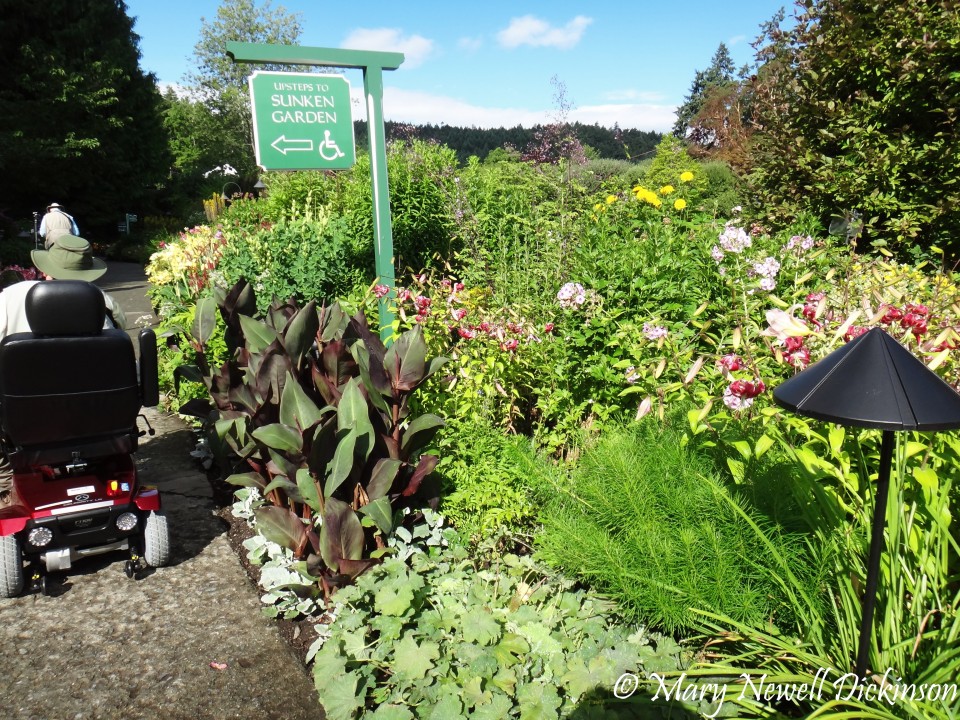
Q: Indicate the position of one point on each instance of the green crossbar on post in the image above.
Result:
(373, 63)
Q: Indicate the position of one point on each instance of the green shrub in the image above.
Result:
(307, 258)
(649, 523)
(721, 194)
(423, 195)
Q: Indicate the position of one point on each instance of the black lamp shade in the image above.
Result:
(872, 382)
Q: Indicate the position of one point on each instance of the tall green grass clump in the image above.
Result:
(649, 522)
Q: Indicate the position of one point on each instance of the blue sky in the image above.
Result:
(490, 64)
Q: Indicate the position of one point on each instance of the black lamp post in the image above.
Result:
(873, 382)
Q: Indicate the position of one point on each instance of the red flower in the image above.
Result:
(800, 358)
(510, 344)
(747, 388)
(892, 314)
(854, 331)
(467, 334)
(730, 362)
(921, 310)
(793, 343)
(548, 328)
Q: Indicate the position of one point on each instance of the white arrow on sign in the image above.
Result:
(284, 145)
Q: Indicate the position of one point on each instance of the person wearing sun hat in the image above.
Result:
(69, 258)
(56, 223)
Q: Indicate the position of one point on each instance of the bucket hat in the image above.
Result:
(54, 205)
(69, 258)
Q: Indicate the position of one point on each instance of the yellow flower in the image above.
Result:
(679, 204)
(647, 196)
(598, 206)
(686, 176)
(611, 199)
(666, 189)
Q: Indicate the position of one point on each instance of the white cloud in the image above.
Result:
(470, 44)
(638, 116)
(736, 40)
(420, 108)
(531, 30)
(415, 48)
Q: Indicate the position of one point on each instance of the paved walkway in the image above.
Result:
(104, 647)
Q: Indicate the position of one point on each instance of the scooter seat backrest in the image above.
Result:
(65, 307)
(68, 382)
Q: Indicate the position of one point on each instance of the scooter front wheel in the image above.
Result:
(156, 539)
(11, 567)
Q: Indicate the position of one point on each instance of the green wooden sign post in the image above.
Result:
(373, 64)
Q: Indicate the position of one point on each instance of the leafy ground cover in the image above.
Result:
(609, 351)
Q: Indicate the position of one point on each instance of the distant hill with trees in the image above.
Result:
(615, 143)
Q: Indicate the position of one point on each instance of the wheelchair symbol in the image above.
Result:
(329, 149)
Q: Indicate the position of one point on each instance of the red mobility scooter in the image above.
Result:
(70, 396)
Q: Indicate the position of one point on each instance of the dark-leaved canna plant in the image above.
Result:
(314, 410)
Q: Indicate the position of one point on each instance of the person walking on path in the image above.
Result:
(56, 223)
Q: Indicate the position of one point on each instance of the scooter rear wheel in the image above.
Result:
(156, 539)
(11, 567)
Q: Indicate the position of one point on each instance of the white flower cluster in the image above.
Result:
(734, 239)
(571, 295)
(767, 270)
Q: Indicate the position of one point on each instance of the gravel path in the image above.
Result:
(103, 647)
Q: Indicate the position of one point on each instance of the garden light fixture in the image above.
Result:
(873, 382)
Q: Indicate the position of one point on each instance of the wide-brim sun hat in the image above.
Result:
(69, 258)
(54, 205)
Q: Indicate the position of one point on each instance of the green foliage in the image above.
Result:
(68, 116)
(486, 486)
(856, 107)
(450, 637)
(516, 225)
(722, 187)
(423, 197)
(221, 84)
(306, 258)
(649, 523)
(670, 162)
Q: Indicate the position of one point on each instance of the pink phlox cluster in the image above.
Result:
(799, 244)
(734, 239)
(572, 295)
(766, 270)
(654, 332)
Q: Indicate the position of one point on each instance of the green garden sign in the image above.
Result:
(373, 63)
(302, 121)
